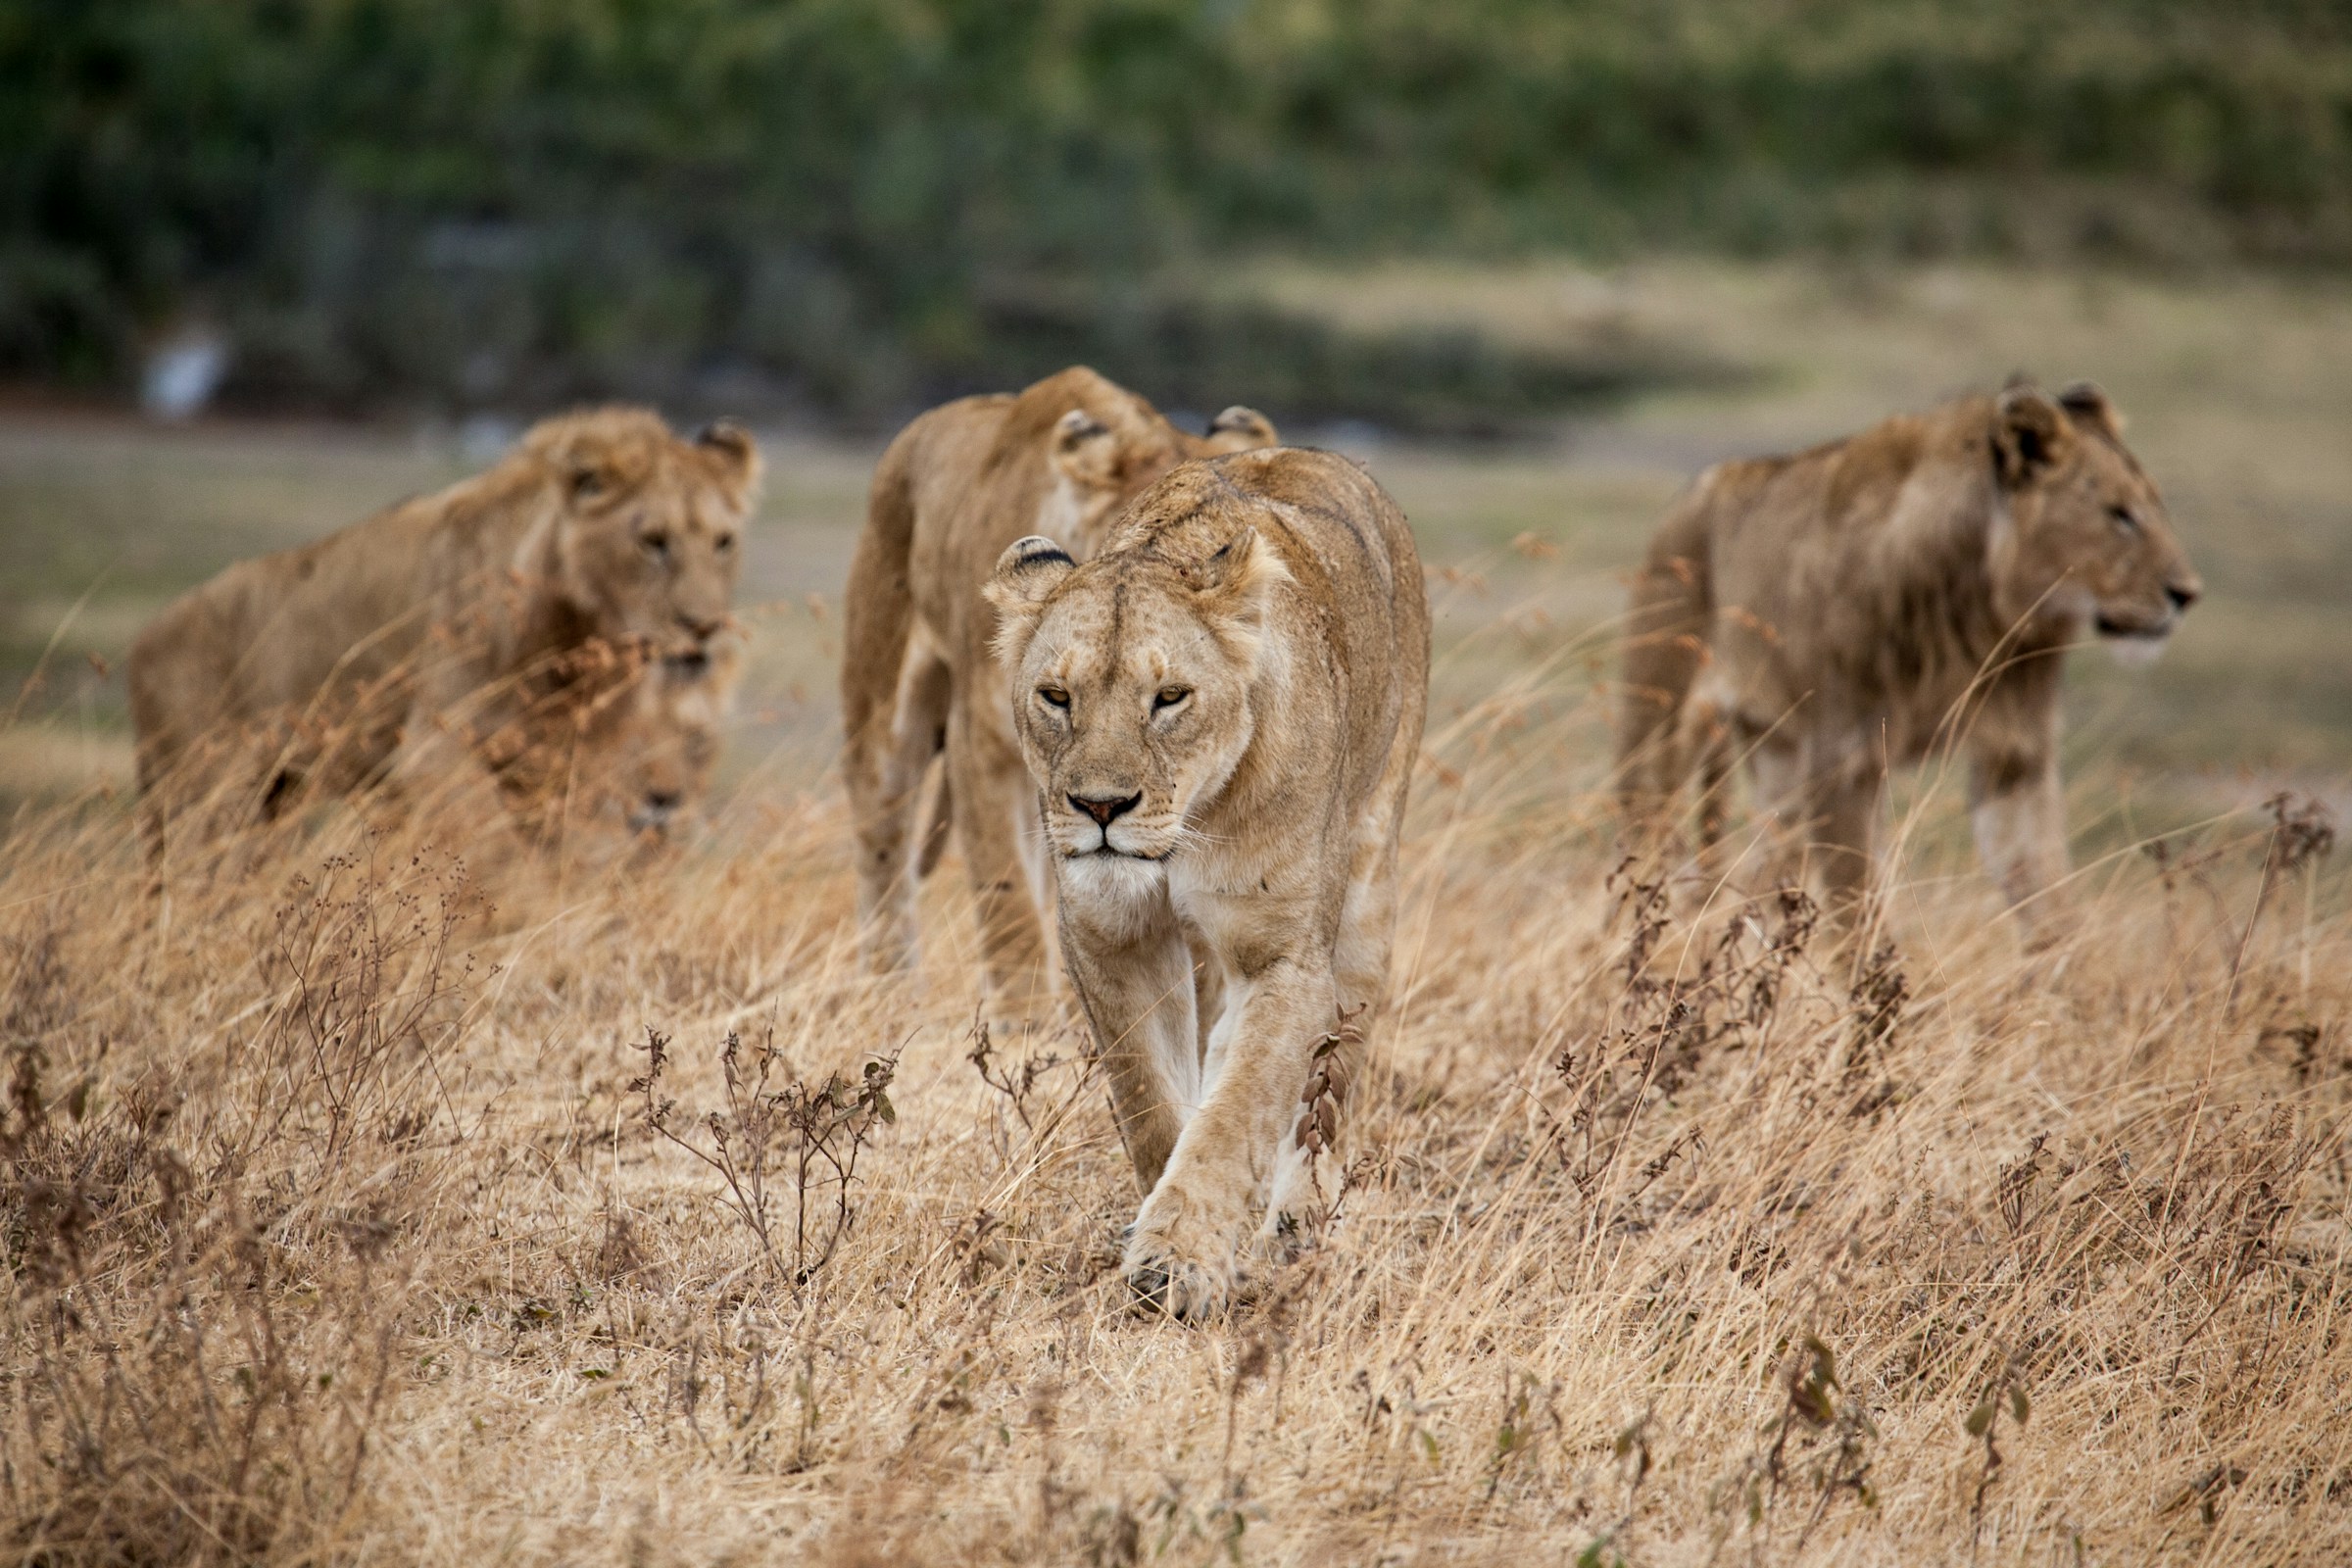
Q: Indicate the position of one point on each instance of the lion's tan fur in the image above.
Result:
(954, 488)
(630, 743)
(1220, 712)
(1828, 615)
(400, 645)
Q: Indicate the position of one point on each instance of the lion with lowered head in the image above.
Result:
(629, 743)
(399, 646)
(1220, 711)
(954, 488)
(1832, 614)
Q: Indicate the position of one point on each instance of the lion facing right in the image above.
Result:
(1828, 616)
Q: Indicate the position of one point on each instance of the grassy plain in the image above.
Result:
(336, 1229)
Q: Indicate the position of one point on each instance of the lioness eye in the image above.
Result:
(1170, 696)
(1054, 696)
(724, 542)
(2122, 518)
(657, 545)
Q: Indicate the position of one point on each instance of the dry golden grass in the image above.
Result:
(336, 1228)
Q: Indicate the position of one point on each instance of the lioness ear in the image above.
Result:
(1232, 587)
(2089, 406)
(1083, 449)
(738, 459)
(1026, 575)
(2030, 436)
(1240, 430)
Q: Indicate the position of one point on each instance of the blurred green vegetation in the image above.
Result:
(849, 206)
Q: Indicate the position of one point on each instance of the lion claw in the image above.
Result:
(1180, 1288)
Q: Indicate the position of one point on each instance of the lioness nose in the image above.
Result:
(1105, 809)
(2183, 594)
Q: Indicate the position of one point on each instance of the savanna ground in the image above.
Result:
(338, 1226)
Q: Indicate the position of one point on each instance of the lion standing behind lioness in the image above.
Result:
(955, 487)
(400, 644)
(1828, 616)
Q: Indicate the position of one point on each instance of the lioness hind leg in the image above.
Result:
(884, 774)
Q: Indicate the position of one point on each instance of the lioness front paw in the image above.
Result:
(1178, 1264)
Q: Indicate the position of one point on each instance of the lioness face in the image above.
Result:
(650, 534)
(2090, 542)
(1131, 690)
(652, 751)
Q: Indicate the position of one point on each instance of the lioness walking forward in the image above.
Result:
(957, 486)
(1828, 616)
(1221, 713)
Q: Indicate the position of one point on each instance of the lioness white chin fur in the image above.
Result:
(1221, 710)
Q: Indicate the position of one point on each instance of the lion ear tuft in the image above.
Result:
(1240, 430)
(1083, 449)
(738, 456)
(1025, 577)
(2089, 405)
(1232, 587)
(2030, 435)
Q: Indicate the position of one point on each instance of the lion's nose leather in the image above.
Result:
(1107, 808)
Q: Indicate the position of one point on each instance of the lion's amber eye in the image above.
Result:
(2123, 519)
(1170, 696)
(656, 544)
(724, 543)
(1053, 696)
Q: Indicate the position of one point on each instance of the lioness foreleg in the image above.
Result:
(1186, 1252)
(2018, 810)
(1845, 803)
(1133, 971)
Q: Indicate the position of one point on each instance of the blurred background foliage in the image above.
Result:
(846, 208)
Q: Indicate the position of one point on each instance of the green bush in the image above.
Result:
(507, 201)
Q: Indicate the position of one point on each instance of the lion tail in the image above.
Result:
(878, 614)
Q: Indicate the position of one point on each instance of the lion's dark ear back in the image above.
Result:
(738, 452)
(1075, 429)
(1240, 430)
(1028, 571)
(2030, 435)
(1025, 576)
(2091, 405)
